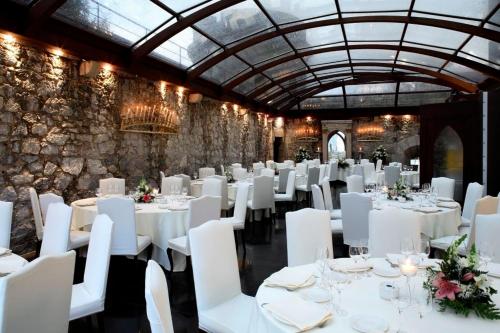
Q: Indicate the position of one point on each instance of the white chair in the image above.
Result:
(289, 194)
(307, 230)
(239, 173)
(201, 210)
(257, 171)
(355, 184)
(162, 175)
(283, 180)
(378, 167)
(222, 307)
(262, 199)
(157, 301)
(268, 172)
(397, 164)
(212, 187)
(386, 230)
(280, 166)
(45, 200)
(258, 165)
(5, 223)
(350, 161)
(333, 175)
(322, 171)
(327, 198)
(236, 165)
(56, 232)
(312, 178)
(88, 297)
(301, 169)
(316, 162)
(240, 213)
(125, 239)
(445, 187)
(369, 175)
(37, 297)
(357, 170)
(222, 170)
(226, 203)
(77, 238)
(171, 185)
(206, 172)
(484, 206)
(364, 161)
(270, 164)
(317, 195)
(186, 182)
(112, 186)
(474, 193)
(37, 213)
(355, 211)
(289, 163)
(392, 175)
(487, 232)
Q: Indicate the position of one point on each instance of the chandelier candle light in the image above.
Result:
(149, 119)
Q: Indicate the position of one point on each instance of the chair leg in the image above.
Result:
(243, 241)
(100, 322)
(170, 260)
(236, 241)
(149, 254)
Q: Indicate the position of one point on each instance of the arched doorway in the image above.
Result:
(449, 158)
(336, 145)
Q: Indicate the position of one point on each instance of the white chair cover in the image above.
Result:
(317, 197)
(280, 166)
(487, 232)
(236, 165)
(88, 297)
(37, 297)
(357, 169)
(474, 193)
(206, 172)
(112, 186)
(270, 164)
(201, 210)
(240, 207)
(397, 164)
(239, 173)
(37, 213)
(268, 172)
(258, 165)
(222, 170)
(322, 171)
(386, 230)
(162, 175)
(350, 161)
(369, 175)
(217, 280)
(355, 209)
(125, 239)
(45, 200)
(5, 223)
(57, 229)
(392, 175)
(212, 186)
(327, 194)
(289, 163)
(226, 204)
(333, 175)
(283, 179)
(355, 184)
(307, 230)
(301, 169)
(312, 178)
(364, 161)
(289, 195)
(157, 301)
(171, 185)
(316, 162)
(445, 187)
(263, 193)
(378, 167)
(186, 182)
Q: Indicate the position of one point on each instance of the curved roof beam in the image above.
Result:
(151, 43)
(392, 77)
(462, 27)
(451, 81)
(489, 71)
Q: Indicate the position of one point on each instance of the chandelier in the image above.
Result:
(149, 119)
(370, 132)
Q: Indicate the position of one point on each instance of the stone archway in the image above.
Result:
(330, 127)
(405, 145)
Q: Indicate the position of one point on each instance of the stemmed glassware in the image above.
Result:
(485, 254)
(338, 281)
(322, 255)
(407, 247)
(355, 251)
(424, 250)
(400, 302)
(98, 192)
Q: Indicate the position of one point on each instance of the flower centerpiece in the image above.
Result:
(229, 175)
(342, 163)
(400, 191)
(302, 154)
(459, 284)
(380, 154)
(144, 192)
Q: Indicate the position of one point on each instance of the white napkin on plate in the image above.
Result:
(448, 204)
(290, 278)
(427, 209)
(4, 251)
(294, 311)
(349, 265)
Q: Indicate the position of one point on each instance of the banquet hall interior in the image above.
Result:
(249, 166)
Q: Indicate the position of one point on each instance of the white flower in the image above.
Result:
(482, 282)
(463, 262)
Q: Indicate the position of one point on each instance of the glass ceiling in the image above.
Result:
(281, 53)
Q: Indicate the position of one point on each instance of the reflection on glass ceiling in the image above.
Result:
(254, 46)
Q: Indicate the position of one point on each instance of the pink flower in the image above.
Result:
(446, 289)
(467, 277)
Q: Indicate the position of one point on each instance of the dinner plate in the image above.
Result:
(385, 271)
(315, 294)
(368, 323)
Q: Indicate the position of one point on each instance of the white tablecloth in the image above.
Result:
(362, 297)
(9, 263)
(410, 177)
(160, 224)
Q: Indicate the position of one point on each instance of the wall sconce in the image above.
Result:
(9, 38)
(279, 122)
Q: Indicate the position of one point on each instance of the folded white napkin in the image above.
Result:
(290, 278)
(294, 311)
(445, 199)
(428, 209)
(448, 204)
(348, 265)
(4, 251)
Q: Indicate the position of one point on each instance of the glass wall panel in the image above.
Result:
(420, 59)
(372, 88)
(419, 86)
(324, 58)
(366, 54)
(225, 70)
(465, 72)
(434, 36)
(477, 9)
(284, 68)
(370, 101)
(265, 50)
(373, 31)
(294, 10)
(373, 5)
(416, 99)
(252, 83)
(316, 36)
(483, 48)
(330, 92)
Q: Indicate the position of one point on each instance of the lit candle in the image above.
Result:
(408, 267)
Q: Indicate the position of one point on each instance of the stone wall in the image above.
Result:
(293, 141)
(60, 132)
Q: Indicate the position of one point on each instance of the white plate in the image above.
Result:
(386, 271)
(368, 324)
(315, 294)
(494, 270)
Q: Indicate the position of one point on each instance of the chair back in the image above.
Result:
(301, 169)
(289, 163)
(224, 192)
(57, 228)
(355, 184)
(369, 173)
(95, 277)
(213, 242)
(270, 164)
(236, 165)
(222, 170)
(357, 169)
(290, 185)
(350, 161)
(307, 230)
(5, 223)
(201, 210)
(444, 186)
(212, 186)
(239, 173)
(333, 175)
(283, 179)
(386, 231)
(487, 231)
(327, 194)
(322, 171)
(37, 213)
(258, 165)
(316, 162)
(378, 167)
(157, 300)
(162, 175)
(112, 186)
(268, 172)
(171, 185)
(391, 174)
(240, 205)
(37, 298)
(364, 161)
(312, 177)
(473, 194)
(122, 212)
(355, 209)
(206, 172)
(484, 206)
(45, 200)
(280, 166)
(263, 192)
(186, 182)
(257, 171)
(396, 164)
(317, 197)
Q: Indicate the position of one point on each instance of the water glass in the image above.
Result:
(424, 249)
(400, 303)
(407, 247)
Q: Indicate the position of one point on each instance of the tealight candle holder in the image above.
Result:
(408, 267)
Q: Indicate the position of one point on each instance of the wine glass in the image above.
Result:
(339, 281)
(424, 250)
(184, 191)
(365, 252)
(424, 302)
(322, 254)
(485, 254)
(406, 246)
(426, 188)
(98, 192)
(355, 254)
(400, 302)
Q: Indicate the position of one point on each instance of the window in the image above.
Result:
(336, 145)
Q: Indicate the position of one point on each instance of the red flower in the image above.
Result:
(446, 289)
(146, 198)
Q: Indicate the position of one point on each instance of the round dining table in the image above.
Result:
(361, 298)
(10, 262)
(152, 219)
